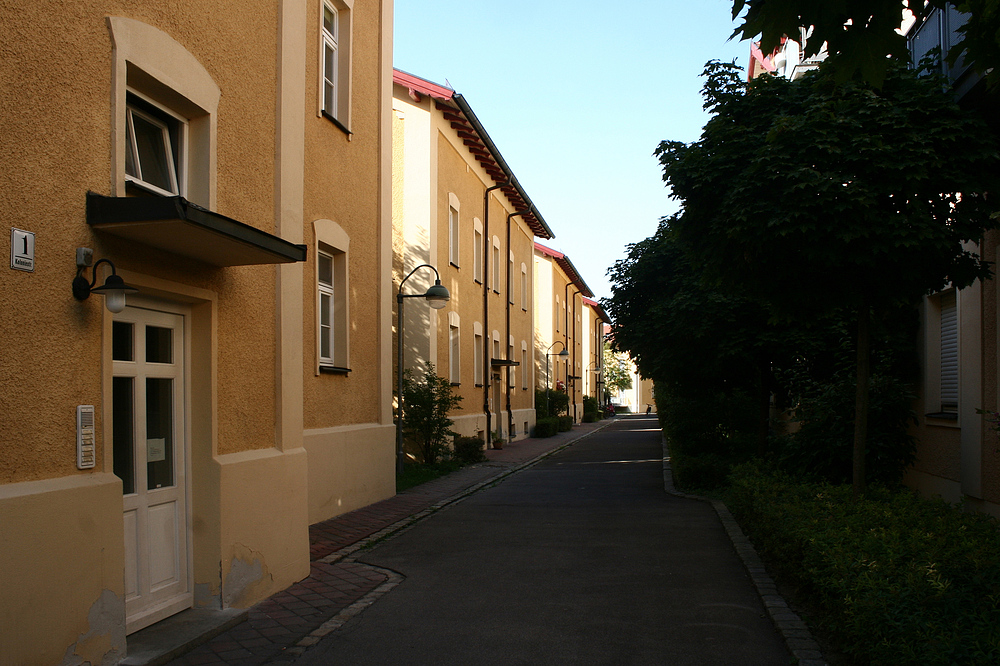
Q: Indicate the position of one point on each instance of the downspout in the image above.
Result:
(487, 371)
(566, 331)
(573, 355)
(510, 411)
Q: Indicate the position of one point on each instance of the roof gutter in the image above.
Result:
(511, 178)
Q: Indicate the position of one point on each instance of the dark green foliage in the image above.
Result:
(427, 402)
(617, 370)
(706, 433)
(546, 427)
(900, 580)
(821, 448)
(817, 197)
(417, 473)
(812, 195)
(591, 409)
(557, 402)
(565, 423)
(468, 450)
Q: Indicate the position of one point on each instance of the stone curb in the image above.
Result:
(796, 634)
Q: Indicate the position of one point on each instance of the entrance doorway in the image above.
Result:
(150, 454)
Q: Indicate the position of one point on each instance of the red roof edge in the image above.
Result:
(422, 86)
(568, 268)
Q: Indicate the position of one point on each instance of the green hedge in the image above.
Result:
(547, 427)
(900, 579)
(469, 450)
(565, 423)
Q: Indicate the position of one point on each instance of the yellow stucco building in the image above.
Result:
(235, 171)
(559, 294)
(458, 207)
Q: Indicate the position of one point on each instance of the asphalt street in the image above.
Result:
(581, 559)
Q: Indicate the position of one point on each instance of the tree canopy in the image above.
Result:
(816, 195)
(861, 35)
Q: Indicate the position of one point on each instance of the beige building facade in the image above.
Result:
(459, 209)
(559, 294)
(592, 343)
(171, 453)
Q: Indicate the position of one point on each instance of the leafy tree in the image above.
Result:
(695, 340)
(617, 370)
(816, 196)
(427, 402)
(861, 35)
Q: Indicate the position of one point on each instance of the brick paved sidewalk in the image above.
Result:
(280, 627)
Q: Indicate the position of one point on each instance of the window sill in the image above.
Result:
(333, 370)
(477, 281)
(336, 122)
(454, 264)
(479, 386)
(456, 383)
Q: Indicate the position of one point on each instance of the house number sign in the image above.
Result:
(22, 250)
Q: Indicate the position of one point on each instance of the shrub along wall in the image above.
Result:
(901, 579)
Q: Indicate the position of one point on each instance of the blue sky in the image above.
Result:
(577, 95)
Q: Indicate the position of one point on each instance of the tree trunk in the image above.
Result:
(861, 398)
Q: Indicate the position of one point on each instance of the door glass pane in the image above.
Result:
(121, 341)
(159, 432)
(159, 345)
(123, 432)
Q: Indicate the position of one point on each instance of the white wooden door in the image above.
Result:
(149, 453)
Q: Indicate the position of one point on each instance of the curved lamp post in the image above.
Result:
(563, 353)
(437, 296)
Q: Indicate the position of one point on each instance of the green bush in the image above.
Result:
(900, 579)
(427, 400)
(707, 433)
(557, 402)
(822, 448)
(565, 423)
(469, 450)
(546, 427)
(591, 409)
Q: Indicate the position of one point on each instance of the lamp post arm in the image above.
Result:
(437, 276)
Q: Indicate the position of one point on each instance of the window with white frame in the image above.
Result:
(153, 146)
(477, 351)
(453, 235)
(335, 61)
(324, 281)
(496, 265)
(555, 313)
(510, 278)
(477, 250)
(496, 345)
(454, 349)
(165, 105)
(524, 287)
(332, 304)
(524, 365)
(510, 357)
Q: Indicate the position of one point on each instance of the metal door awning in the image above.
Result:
(176, 225)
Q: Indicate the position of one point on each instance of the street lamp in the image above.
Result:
(437, 296)
(564, 353)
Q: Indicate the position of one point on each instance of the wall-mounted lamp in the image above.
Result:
(437, 297)
(113, 289)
